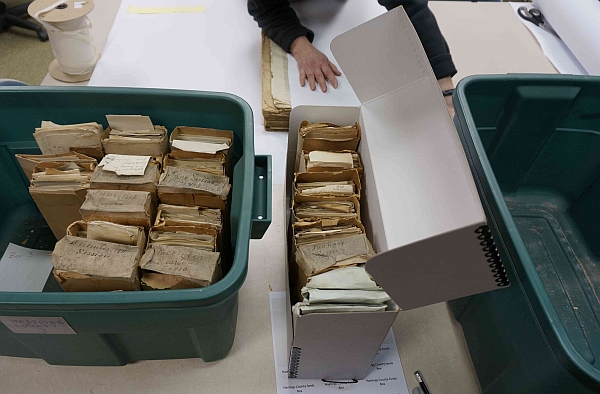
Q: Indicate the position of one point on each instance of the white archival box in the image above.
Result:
(419, 203)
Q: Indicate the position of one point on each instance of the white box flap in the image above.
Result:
(381, 55)
(418, 187)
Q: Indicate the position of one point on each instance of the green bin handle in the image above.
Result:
(263, 191)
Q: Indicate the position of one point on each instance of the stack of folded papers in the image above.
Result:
(179, 267)
(118, 206)
(329, 137)
(176, 215)
(135, 135)
(317, 161)
(330, 246)
(59, 188)
(99, 256)
(182, 186)
(28, 162)
(276, 103)
(127, 172)
(200, 149)
(85, 138)
(348, 289)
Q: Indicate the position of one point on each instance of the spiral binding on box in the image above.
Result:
(486, 240)
(294, 362)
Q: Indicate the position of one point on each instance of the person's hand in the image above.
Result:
(313, 65)
(447, 84)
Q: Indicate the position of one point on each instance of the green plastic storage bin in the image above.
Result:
(533, 144)
(115, 328)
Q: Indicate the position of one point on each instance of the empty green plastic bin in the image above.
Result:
(533, 144)
(114, 328)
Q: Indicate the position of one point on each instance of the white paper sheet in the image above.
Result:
(554, 48)
(24, 269)
(125, 164)
(576, 22)
(386, 376)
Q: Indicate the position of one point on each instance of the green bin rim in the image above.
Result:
(220, 291)
(463, 112)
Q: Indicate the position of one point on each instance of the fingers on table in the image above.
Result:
(321, 80)
(330, 75)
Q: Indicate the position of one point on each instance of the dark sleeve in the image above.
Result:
(431, 37)
(278, 21)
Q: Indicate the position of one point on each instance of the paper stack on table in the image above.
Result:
(276, 103)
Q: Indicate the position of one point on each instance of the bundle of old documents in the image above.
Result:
(152, 218)
(28, 162)
(178, 216)
(135, 135)
(276, 104)
(316, 161)
(329, 137)
(174, 267)
(126, 172)
(330, 246)
(200, 149)
(59, 188)
(99, 256)
(182, 186)
(84, 138)
(118, 206)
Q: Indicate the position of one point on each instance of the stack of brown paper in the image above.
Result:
(179, 267)
(330, 246)
(193, 237)
(328, 137)
(338, 183)
(134, 135)
(276, 106)
(85, 138)
(127, 172)
(214, 164)
(318, 161)
(182, 186)
(28, 162)
(99, 256)
(200, 149)
(59, 188)
(201, 140)
(327, 206)
(181, 216)
(118, 206)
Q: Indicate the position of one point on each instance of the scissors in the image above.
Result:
(534, 16)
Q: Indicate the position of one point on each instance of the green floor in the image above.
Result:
(23, 56)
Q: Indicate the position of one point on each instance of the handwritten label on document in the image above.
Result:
(125, 164)
(183, 178)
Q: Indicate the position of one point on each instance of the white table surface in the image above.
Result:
(484, 38)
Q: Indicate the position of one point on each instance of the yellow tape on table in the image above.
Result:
(165, 10)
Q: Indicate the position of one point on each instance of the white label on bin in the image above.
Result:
(37, 325)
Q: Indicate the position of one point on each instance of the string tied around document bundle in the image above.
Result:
(71, 41)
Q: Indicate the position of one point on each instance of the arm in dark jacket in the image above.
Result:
(278, 21)
(431, 37)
